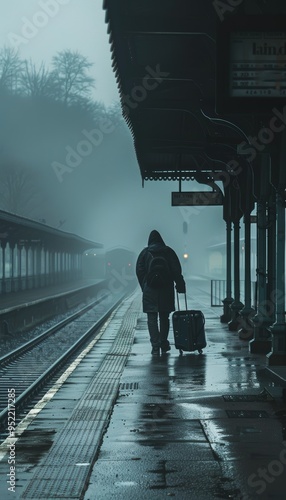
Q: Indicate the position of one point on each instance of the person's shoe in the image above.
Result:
(155, 351)
(166, 348)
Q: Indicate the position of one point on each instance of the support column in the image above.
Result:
(33, 265)
(55, 263)
(46, 256)
(53, 266)
(38, 252)
(19, 259)
(68, 266)
(27, 265)
(3, 246)
(237, 305)
(226, 316)
(61, 267)
(12, 274)
(80, 265)
(73, 265)
(271, 254)
(246, 330)
(261, 342)
(277, 356)
(50, 277)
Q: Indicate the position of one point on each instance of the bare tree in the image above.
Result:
(71, 75)
(10, 69)
(18, 193)
(37, 82)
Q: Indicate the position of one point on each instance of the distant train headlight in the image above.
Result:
(186, 256)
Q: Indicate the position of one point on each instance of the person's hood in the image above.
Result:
(155, 237)
(155, 241)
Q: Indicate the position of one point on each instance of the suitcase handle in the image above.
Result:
(179, 302)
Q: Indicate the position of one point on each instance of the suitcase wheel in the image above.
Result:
(200, 351)
(181, 352)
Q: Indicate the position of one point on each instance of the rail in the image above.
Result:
(218, 292)
(32, 370)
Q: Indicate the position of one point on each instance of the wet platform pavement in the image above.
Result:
(191, 426)
(194, 426)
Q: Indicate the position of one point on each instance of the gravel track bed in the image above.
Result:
(31, 365)
(13, 341)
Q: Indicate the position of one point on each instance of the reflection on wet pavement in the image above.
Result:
(186, 430)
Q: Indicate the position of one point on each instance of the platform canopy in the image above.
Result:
(164, 59)
(21, 230)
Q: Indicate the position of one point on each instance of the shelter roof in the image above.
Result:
(21, 230)
(163, 56)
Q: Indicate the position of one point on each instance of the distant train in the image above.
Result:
(114, 263)
(120, 261)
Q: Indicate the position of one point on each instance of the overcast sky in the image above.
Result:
(40, 28)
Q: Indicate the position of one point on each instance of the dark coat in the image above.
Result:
(161, 299)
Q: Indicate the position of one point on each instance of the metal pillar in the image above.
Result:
(261, 342)
(52, 267)
(237, 305)
(80, 265)
(33, 265)
(38, 252)
(271, 253)
(55, 266)
(27, 265)
(46, 257)
(246, 330)
(3, 246)
(277, 356)
(12, 272)
(19, 247)
(226, 316)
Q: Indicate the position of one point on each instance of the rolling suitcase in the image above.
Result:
(189, 329)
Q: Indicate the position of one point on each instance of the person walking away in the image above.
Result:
(157, 268)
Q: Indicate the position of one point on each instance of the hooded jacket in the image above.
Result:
(161, 299)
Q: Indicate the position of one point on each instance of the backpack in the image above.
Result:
(158, 274)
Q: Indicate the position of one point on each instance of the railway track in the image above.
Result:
(26, 370)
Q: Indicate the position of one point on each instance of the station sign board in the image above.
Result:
(257, 64)
(251, 64)
(252, 219)
(196, 198)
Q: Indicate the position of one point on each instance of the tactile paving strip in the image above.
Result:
(247, 414)
(129, 386)
(250, 398)
(65, 469)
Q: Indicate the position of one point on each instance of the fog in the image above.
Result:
(79, 159)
